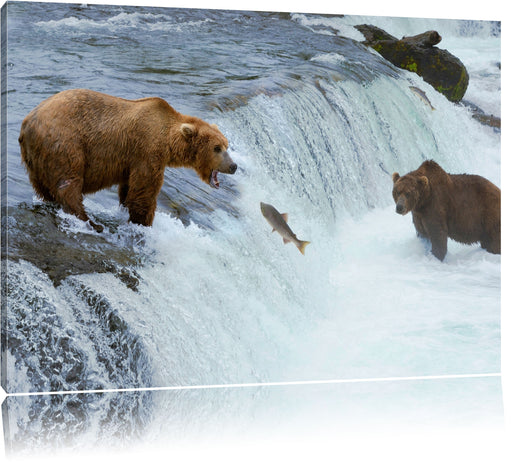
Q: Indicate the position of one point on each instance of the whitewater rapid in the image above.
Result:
(300, 318)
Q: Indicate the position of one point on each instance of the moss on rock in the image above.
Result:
(417, 54)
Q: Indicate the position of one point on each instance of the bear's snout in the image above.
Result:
(226, 164)
(400, 206)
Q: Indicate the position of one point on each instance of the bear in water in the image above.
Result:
(465, 208)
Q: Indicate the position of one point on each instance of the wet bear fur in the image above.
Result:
(465, 208)
(80, 141)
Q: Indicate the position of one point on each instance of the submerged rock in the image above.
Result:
(490, 120)
(418, 54)
(485, 119)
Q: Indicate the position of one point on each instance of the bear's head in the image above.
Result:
(409, 192)
(204, 148)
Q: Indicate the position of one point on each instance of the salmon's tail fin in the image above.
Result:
(301, 245)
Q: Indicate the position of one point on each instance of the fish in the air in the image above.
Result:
(278, 222)
(422, 96)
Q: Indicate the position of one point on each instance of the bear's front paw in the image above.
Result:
(98, 228)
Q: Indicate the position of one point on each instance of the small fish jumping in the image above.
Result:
(278, 222)
(423, 97)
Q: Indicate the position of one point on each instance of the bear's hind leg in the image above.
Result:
(41, 190)
(491, 237)
(492, 246)
(69, 195)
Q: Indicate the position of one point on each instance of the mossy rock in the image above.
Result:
(417, 54)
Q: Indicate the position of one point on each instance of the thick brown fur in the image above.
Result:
(80, 141)
(465, 208)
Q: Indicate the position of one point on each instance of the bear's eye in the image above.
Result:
(217, 149)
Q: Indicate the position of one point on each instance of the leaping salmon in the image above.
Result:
(423, 97)
(278, 221)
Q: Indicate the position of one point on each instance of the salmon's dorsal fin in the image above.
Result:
(285, 217)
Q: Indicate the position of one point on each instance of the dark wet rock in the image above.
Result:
(490, 120)
(427, 39)
(418, 54)
(485, 119)
(373, 34)
(34, 236)
(75, 373)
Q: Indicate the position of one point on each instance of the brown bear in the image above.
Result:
(465, 208)
(80, 141)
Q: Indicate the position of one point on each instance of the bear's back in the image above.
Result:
(95, 105)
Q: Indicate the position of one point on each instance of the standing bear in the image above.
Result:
(80, 141)
(465, 208)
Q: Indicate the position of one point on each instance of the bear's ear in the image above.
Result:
(188, 130)
(423, 180)
(395, 177)
(214, 126)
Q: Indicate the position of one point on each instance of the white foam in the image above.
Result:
(123, 21)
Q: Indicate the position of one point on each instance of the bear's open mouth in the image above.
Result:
(214, 181)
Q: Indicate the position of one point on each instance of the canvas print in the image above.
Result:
(196, 197)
